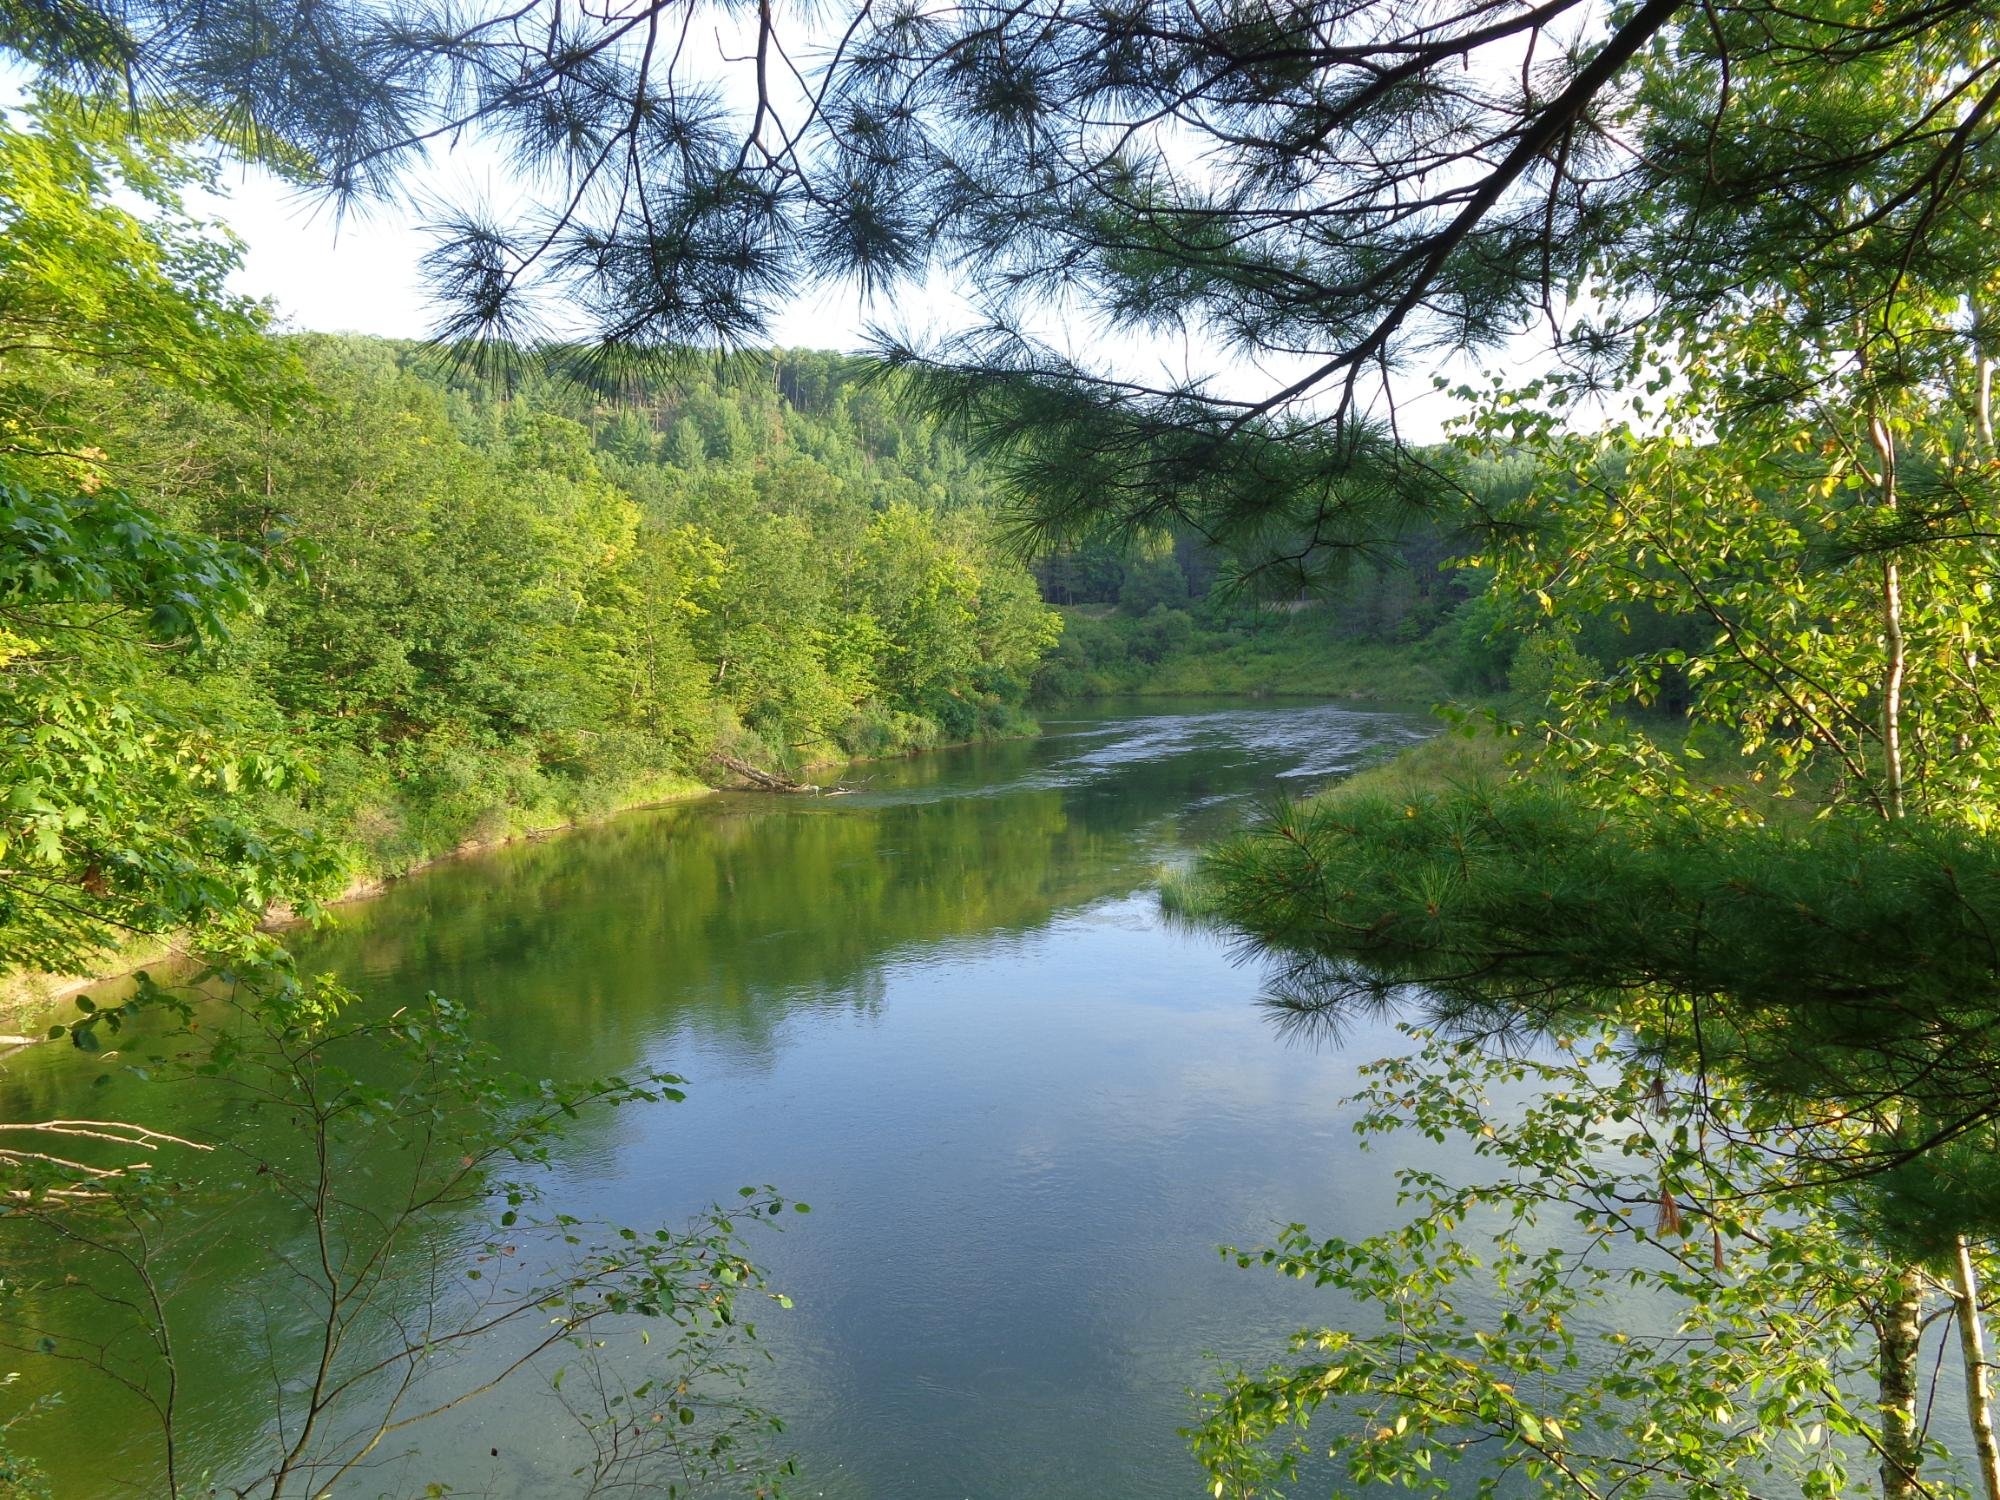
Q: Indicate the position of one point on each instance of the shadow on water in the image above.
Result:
(943, 1009)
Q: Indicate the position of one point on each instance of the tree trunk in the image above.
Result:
(1978, 1377)
(1984, 402)
(1982, 387)
(766, 780)
(1892, 625)
(1892, 684)
(1898, 1332)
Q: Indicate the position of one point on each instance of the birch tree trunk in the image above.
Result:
(1978, 1375)
(1898, 1333)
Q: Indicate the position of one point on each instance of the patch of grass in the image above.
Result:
(1175, 653)
(1308, 665)
(1443, 762)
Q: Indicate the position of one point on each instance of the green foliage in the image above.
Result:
(1547, 668)
(1188, 622)
(1771, 543)
(21, 1478)
(1152, 579)
(125, 810)
(133, 806)
(492, 611)
(380, 1160)
(1668, 1312)
(1835, 965)
(85, 278)
(1214, 649)
(1803, 468)
(357, 594)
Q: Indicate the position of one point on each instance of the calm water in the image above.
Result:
(945, 1011)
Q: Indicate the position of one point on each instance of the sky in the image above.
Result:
(361, 273)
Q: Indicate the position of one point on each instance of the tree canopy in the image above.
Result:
(126, 795)
(1329, 192)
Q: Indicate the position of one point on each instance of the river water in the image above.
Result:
(945, 1011)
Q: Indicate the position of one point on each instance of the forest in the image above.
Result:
(459, 608)
(472, 607)
(1681, 933)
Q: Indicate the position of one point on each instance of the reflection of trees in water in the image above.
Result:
(346, 1245)
(716, 920)
(720, 920)
(709, 924)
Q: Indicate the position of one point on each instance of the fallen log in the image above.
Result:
(763, 780)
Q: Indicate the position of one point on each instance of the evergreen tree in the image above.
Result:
(1337, 189)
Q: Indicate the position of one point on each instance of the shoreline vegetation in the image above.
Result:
(31, 1001)
(1188, 648)
(475, 617)
(457, 615)
(26, 998)
(1709, 303)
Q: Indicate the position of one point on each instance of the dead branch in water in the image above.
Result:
(772, 781)
(768, 781)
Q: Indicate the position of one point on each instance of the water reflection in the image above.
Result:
(943, 1009)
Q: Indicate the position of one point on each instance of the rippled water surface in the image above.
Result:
(943, 1009)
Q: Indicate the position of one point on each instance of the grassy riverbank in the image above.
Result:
(1445, 760)
(393, 828)
(1105, 651)
(28, 999)
(400, 830)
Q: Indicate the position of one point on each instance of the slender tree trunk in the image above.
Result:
(1898, 1332)
(1892, 627)
(1982, 364)
(1978, 1375)
(1985, 407)
(1892, 683)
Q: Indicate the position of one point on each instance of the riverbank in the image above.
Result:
(27, 1001)
(947, 997)
(1105, 652)
(1444, 760)
(30, 1002)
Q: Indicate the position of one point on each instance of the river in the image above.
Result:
(943, 1009)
